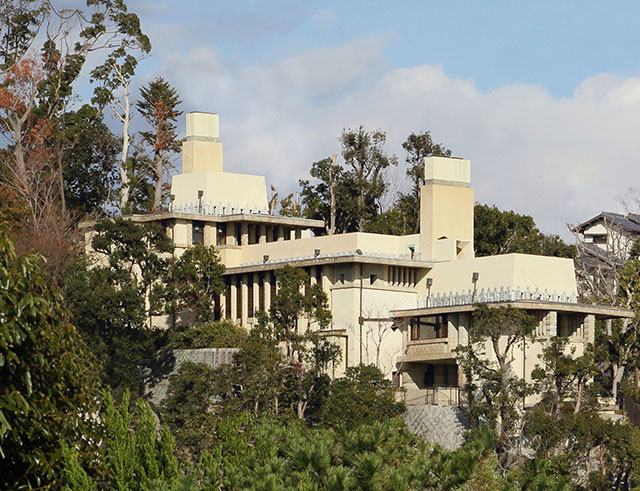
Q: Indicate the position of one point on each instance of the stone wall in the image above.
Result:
(442, 425)
(168, 362)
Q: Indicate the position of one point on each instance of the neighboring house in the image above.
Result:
(370, 279)
(603, 245)
(609, 234)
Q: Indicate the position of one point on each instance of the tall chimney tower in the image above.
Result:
(446, 210)
(202, 150)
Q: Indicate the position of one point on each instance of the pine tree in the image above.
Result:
(158, 107)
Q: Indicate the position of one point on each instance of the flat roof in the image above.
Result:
(327, 259)
(600, 311)
(235, 217)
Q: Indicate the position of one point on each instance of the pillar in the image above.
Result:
(262, 234)
(210, 234)
(230, 238)
(325, 283)
(267, 290)
(244, 314)
(256, 294)
(244, 231)
(234, 298)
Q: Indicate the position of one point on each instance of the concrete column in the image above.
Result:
(223, 304)
(280, 233)
(210, 234)
(262, 234)
(291, 234)
(298, 233)
(256, 295)
(325, 283)
(231, 234)
(267, 291)
(234, 299)
(244, 231)
(244, 314)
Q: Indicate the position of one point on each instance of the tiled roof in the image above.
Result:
(629, 222)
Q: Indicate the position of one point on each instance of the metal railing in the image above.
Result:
(492, 295)
(435, 396)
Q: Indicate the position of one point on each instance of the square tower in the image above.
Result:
(446, 210)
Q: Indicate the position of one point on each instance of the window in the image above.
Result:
(441, 375)
(197, 233)
(342, 278)
(221, 234)
(372, 278)
(429, 327)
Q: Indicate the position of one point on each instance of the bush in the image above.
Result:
(216, 334)
(363, 396)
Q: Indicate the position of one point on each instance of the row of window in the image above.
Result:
(437, 326)
(197, 233)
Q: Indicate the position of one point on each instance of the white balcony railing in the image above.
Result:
(494, 295)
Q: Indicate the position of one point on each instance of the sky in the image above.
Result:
(542, 97)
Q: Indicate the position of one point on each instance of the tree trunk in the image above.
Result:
(332, 196)
(618, 373)
(124, 156)
(157, 187)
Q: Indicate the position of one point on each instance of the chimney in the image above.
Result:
(446, 209)
(202, 149)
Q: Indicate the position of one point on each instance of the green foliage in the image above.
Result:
(136, 455)
(112, 305)
(215, 334)
(503, 232)
(49, 384)
(194, 281)
(90, 154)
(495, 392)
(158, 106)
(363, 396)
(187, 409)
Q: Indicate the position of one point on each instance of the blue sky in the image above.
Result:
(543, 97)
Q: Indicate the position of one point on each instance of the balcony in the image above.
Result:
(435, 396)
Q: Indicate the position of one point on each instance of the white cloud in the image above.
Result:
(558, 159)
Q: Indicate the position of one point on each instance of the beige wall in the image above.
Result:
(507, 270)
(446, 212)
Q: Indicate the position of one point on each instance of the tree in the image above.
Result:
(49, 378)
(114, 300)
(494, 389)
(216, 334)
(418, 147)
(114, 75)
(563, 376)
(188, 409)
(366, 162)
(135, 453)
(90, 156)
(322, 199)
(158, 107)
(362, 397)
(308, 353)
(504, 232)
(290, 206)
(194, 281)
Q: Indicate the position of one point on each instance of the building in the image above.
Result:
(603, 245)
(399, 302)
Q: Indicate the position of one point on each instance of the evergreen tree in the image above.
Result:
(158, 107)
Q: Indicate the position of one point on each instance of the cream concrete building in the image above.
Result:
(400, 302)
